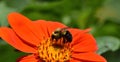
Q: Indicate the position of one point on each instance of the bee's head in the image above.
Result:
(59, 32)
(56, 34)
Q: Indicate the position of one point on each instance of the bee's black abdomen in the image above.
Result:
(68, 36)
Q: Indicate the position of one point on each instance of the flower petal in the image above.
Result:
(43, 27)
(88, 57)
(82, 41)
(25, 28)
(74, 60)
(29, 58)
(10, 37)
(48, 26)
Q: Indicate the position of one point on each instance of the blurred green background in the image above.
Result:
(103, 16)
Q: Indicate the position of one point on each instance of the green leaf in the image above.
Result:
(107, 43)
(8, 53)
(110, 10)
(17, 4)
(112, 56)
(8, 6)
(4, 10)
(66, 20)
(83, 17)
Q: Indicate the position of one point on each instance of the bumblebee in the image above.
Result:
(62, 33)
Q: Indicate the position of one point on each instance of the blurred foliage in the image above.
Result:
(108, 43)
(110, 10)
(8, 53)
(4, 10)
(100, 15)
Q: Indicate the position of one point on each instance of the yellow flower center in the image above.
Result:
(54, 51)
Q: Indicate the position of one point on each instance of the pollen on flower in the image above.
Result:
(50, 51)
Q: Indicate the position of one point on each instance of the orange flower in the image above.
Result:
(49, 41)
